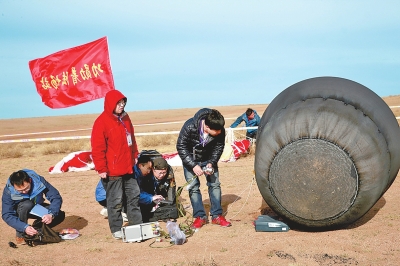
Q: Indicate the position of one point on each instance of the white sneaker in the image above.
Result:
(124, 217)
(104, 212)
(117, 235)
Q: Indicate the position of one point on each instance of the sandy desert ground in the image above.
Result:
(372, 240)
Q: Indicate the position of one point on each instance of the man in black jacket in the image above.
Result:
(200, 144)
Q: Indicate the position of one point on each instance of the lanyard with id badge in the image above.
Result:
(128, 135)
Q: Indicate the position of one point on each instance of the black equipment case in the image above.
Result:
(265, 223)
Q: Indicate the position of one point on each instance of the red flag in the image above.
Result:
(73, 76)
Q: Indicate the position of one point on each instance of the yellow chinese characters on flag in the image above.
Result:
(73, 76)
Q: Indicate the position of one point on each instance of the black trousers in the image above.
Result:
(24, 207)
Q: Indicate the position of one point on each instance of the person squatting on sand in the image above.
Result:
(114, 152)
(200, 144)
(24, 189)
(155, 187)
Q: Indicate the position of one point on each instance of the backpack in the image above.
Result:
(45, 234)
(151, 153)
(166, 212)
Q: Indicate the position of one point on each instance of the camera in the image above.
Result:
(208, 170)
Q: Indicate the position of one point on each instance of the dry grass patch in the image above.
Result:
(164, 143)
(32, 149)
(11, 150)
(67, 146)
(156, 140)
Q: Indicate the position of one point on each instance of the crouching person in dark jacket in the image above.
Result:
(155, 187)
(25, 189)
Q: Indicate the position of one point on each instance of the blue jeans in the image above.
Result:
(214, 192)
(117, 189)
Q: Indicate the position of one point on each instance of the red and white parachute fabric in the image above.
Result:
(74, 162)
(172, 159)
(234, 148)
(82, 160)
(240, 147)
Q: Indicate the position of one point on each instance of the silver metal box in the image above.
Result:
(139, 232)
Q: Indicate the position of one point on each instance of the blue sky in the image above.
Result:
(183, 54)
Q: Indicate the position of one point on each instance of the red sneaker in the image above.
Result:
(220, 220)
(199, 222)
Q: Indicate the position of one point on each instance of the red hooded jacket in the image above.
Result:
(110, 151)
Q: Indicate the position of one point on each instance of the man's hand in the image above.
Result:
(103, 175)
(197, 170)
(47, 218)
(157, 198)
(31, 231)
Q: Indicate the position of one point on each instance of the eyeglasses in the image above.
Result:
(159, 172)
(25, 189)
(121, 103)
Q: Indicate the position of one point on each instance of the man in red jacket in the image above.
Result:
(114, 152)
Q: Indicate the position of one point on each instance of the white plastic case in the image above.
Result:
(139, 232)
